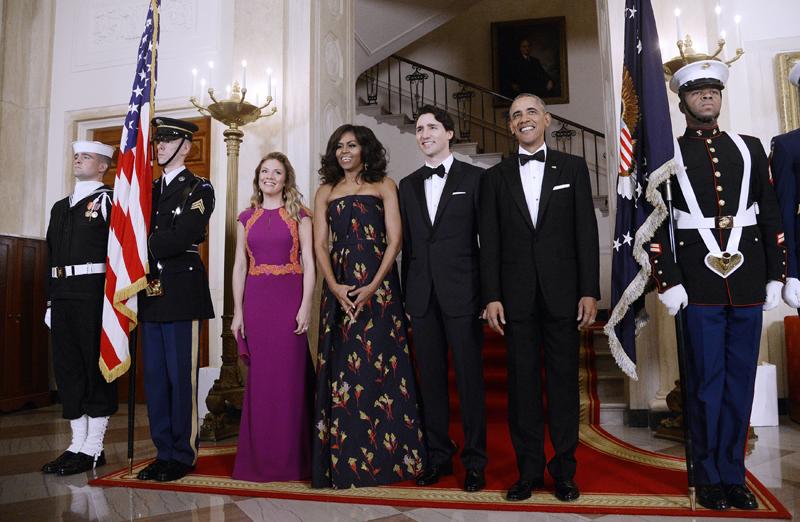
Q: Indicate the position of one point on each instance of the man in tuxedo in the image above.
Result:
(441, 287)
(540, 283)
(785, 165)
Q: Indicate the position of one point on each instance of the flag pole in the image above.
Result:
(132, 337)
(131, 398)
(682, 361)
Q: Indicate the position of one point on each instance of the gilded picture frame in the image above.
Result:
(788, 94)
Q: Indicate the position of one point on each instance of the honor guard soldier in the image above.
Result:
(77, 239)
(176, 300)
(785, 163)
(731, 266)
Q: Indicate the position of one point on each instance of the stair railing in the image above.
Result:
(403, 86)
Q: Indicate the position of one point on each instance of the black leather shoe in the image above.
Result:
(474, 481)
(432, 474)
(174, 470)
(522, 489)
(712, 497)
(53, 465)
(150, 471)
(81, 463)
(740, 497)
(567, 490)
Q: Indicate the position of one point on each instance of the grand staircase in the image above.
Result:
(391, 92)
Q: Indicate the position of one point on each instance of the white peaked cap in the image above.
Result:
(794, 74)
(93, 146)
(700, 70)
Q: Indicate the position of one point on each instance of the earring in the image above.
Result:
(366, 167)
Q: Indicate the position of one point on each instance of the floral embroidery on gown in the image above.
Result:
(366, 426)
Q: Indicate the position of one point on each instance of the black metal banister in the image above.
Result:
(491, 133)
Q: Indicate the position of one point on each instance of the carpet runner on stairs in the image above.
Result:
(614, 476)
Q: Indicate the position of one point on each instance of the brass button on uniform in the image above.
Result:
(680, 243)
(712, 149)
(715, 160)
(721, 202)
(719, 188)
(708, 140)
(717, 174)
(664, 283)
(660, 272)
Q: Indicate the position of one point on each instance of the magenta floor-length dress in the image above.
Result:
(274, 435)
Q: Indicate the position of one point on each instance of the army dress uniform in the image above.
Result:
(729, 244)
(177, 299)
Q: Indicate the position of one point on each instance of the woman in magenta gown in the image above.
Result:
(273, 285)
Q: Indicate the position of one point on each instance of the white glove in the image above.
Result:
(674, 299)
(47, 317)
(791, 292)
(773, 295)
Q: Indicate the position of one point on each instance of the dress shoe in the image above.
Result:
(81, 463)
(53, 465)
(740, 497)
(174, 470)
(567, 490)
(150, 471)
(522, 489)
(712, 496)
(433, 473)
(474, 481)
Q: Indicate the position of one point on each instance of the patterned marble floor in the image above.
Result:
(30, 438)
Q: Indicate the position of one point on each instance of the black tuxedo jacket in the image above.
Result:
(558, 258)
(442, 254)
(177, 226)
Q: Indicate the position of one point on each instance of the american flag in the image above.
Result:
(646, 161)
(126, 262)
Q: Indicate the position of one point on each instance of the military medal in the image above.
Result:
(90, 210)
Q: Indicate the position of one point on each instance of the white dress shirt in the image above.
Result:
(83, 189)
(532, 174)
(434, 186)
(169, 176)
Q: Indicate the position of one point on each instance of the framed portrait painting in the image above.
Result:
(531, 56)
(788, 94)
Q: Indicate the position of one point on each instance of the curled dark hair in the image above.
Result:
(373, 156)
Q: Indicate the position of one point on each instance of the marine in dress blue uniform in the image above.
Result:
(77, 239)
(785, 164)
(176, 300)
(731, 265)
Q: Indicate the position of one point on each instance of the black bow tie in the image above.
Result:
(439, 171)
(525, 158)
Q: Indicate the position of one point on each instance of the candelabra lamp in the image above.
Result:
(224, 400)
(688, 55)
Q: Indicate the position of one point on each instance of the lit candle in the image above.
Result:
(194, 81)
(210, 74)
(739, 43)
(228, 91)
(202, 91)
(718, 12)
(269, 81)
(678, 23)
(273, 89)
(244, 74)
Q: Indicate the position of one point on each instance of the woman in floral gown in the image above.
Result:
(366, 426)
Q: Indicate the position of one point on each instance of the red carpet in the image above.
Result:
(614, 476)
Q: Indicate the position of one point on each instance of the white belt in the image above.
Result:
(685, 220)
(60, 272)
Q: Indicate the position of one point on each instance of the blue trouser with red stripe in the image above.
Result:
(722, 348)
